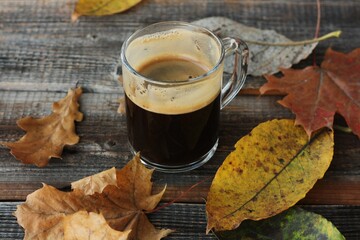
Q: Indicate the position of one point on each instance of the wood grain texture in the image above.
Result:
(42, 54)
(42, 50)
(190, 220)
(103, 144)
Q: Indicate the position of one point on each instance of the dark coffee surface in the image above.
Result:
(168, 138)
(173, 140)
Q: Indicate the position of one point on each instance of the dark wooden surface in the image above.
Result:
(191, 226)
(42, 54)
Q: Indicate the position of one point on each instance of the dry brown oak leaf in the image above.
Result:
(46, 137)
(122, 205)
(316, 93)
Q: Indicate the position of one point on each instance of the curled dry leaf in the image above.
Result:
(96, 183)
(122, 107)
(294, 223)
(46, 137)
(101, 8)
(316, 93)
(264, 58)
(90, 226)
(271, 169)
(123, 206)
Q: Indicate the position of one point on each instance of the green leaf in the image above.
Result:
(293, 224)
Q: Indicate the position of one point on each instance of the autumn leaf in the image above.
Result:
(295, 224)
(271, 169)
(316, 93)
(123, 206)
(269, 50)
(90, 226)
(121, 109)
(101, 7)
(96, 183)
(46, 137)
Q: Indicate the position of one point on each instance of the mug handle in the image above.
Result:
(240, 52)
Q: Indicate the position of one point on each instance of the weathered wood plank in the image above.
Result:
(103, 145)
(190, 220)
(42, 50)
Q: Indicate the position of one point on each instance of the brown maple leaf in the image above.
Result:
(316, 93)
(90, 226)
(96, 183)
(123, 206)
(46, 137)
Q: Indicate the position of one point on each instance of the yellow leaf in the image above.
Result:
(101, 7)
(271, 169)
(96, 183)
(90, 226)
(46, 137)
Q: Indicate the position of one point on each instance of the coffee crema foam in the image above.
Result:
(175, 44)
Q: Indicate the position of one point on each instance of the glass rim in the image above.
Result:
(170, 82)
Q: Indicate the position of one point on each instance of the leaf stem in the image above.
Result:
(317, 30)
(296, 43)
(318, 6)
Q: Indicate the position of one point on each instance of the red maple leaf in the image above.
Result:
(315, 93)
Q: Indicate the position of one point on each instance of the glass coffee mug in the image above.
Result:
(174, 90)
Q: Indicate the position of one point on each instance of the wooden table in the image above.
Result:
(43, 54)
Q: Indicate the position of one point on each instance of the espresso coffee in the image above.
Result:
(172, 69)
(173, 84)
(172, 80)
(177, 136)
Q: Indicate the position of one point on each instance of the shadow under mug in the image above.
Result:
(173, 123)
